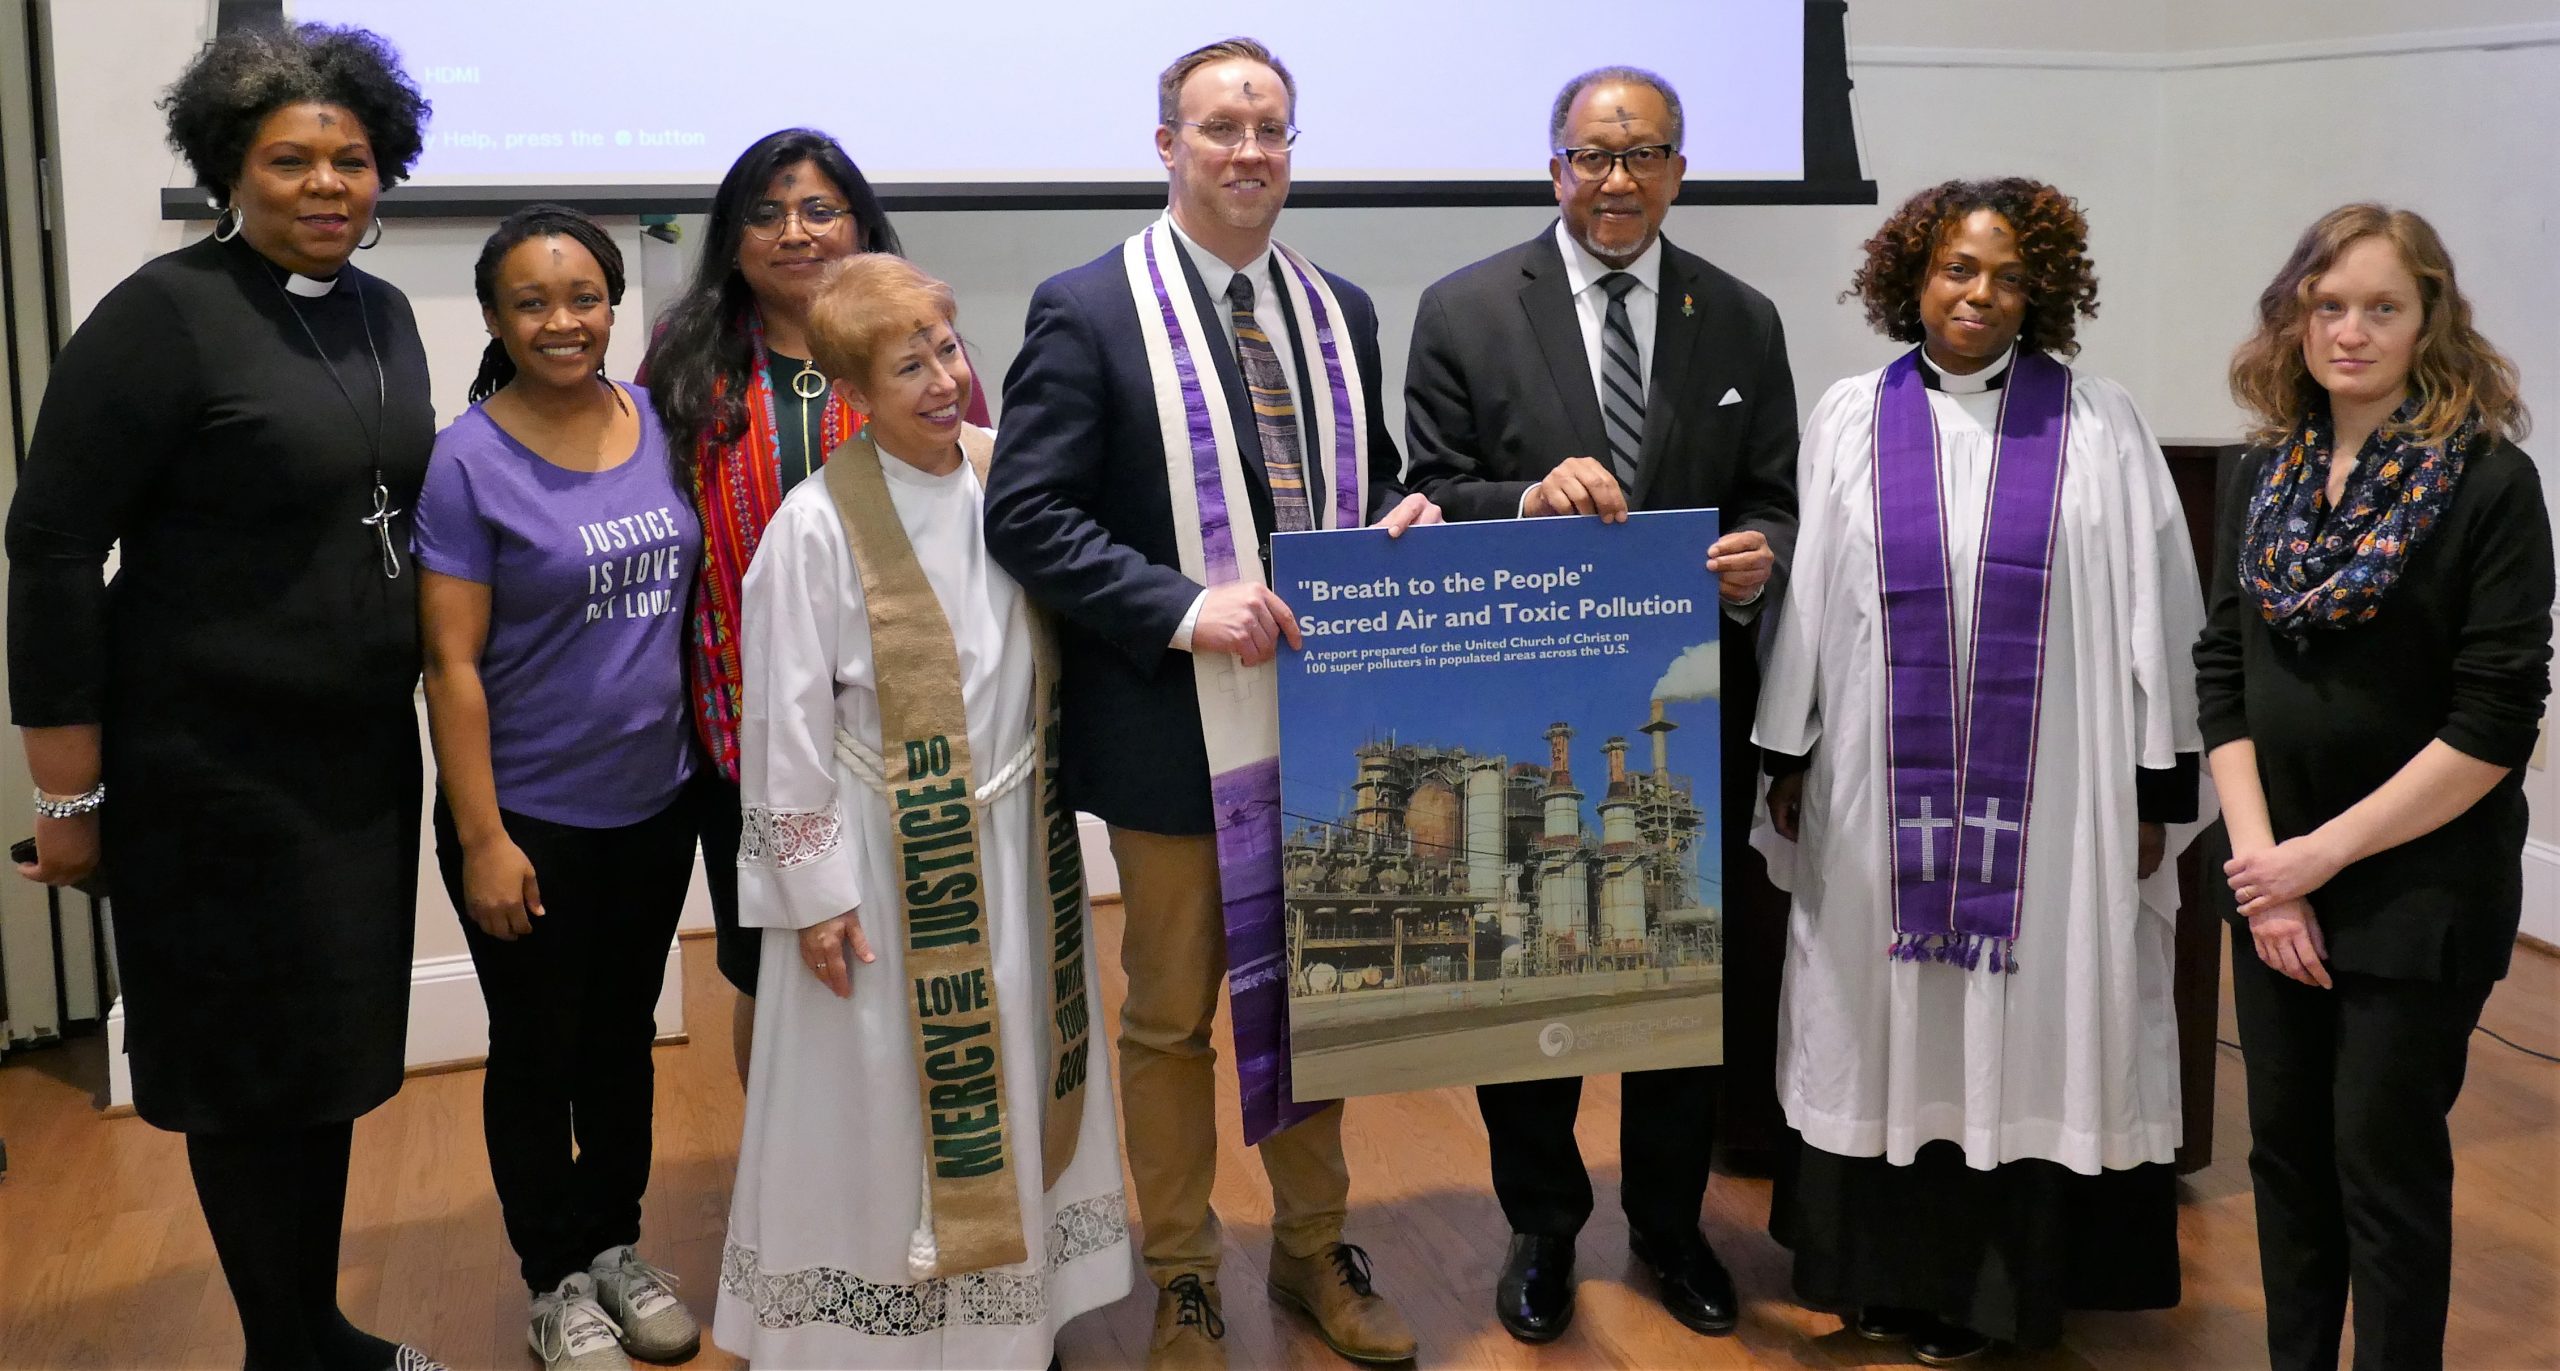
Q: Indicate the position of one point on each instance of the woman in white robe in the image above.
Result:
(818, 1270)
(2009, 1112)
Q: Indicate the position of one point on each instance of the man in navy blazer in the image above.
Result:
(1081, 511)
(1597, 369)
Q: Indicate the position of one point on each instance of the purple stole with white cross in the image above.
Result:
(1962, 758)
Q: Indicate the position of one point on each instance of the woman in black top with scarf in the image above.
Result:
(231, 723)
(2371, 680)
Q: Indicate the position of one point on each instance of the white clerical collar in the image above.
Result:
(1583, 271)
(1991, 377)
(907, 473)
(1208, 263)
(308, 286)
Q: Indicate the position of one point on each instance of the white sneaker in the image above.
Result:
(641, 1300)
(571, 1332)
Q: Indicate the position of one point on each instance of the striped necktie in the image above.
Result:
(1621, 382)
(1274, 416)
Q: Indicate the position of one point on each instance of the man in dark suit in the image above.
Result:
(1082, 510)
(1597, 369)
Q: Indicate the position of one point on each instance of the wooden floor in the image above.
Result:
(104, 1261)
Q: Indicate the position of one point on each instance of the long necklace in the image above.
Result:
(808, 383)
(380, 519)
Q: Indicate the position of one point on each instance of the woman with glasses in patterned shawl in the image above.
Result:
(748, 415)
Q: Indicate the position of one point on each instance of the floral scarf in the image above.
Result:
(2309, 566)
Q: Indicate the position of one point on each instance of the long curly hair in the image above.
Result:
(698, 362)
(540, 220)
(2457, 374)
(241, 77)
(2053, 241)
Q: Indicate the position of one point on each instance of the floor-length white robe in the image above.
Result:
(2073, 1057)
(830, 1171)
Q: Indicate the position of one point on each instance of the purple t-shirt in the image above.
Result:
(587, 575)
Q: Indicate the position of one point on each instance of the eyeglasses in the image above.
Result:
(765, 219)
(1597, 164)
(1227, 133)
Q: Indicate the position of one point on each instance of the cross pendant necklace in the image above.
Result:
(383, 511)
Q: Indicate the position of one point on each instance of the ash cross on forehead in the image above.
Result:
(1622, 118)
(1248, 90)
(328, 120)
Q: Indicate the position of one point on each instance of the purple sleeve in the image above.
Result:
(450, 537)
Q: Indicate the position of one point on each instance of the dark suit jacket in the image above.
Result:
(1498, 392)
(1079, 512)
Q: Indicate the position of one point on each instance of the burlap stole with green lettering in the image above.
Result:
(935, 795)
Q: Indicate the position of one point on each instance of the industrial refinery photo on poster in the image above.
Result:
(1499, 763)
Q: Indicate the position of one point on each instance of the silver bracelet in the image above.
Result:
(86, 802)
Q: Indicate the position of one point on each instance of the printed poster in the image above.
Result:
(1499, 759)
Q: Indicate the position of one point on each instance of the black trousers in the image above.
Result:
(1666, 1128)
(2351, 1159)
(718, 810)
(568, 1100)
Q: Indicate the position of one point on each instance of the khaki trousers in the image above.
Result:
(1174, 949)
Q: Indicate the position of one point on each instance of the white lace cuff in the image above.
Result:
(780, 839)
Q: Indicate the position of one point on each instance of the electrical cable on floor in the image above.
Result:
(2520, 1047)
(2483, 1028)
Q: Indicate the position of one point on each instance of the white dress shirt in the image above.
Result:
(1218, 275)
(1582, 273)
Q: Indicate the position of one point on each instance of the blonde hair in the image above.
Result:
(2456, 374)
(866, 301)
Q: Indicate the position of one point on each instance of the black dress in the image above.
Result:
(252, 667)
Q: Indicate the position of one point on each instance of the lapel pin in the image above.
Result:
(1688, 306)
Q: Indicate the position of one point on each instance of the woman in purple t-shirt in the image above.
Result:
(554, 548)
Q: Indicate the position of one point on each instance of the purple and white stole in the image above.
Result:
(1239, 705)
(1962, 759)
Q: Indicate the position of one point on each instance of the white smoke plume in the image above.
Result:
(1697, 674)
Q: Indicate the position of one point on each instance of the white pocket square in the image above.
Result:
(1731, 397)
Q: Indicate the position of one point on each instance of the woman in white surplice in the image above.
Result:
(817, 1271)
(1984, 1143)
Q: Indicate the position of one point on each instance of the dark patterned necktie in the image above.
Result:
(1274, 417)
(1621, 382)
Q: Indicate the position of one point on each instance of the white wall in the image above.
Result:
(2196, 173)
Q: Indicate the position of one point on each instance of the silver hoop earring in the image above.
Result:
(226, 225)
(374, 238)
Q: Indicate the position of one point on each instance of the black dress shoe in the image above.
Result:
(1885, 1323)
(1939, 1343)
(1695, 1286)
(1534, 1298)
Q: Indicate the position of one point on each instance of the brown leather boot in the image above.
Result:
(1332, 1288)
(1190, 1334)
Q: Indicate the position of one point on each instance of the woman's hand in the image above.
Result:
(2288, 939)
(1786, 805)
(2151, 844)
(498, 889)
(823, 949)
(2288, 871)
(66, 850)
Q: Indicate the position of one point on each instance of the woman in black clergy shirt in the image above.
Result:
(230, 723)
(2370, 682)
